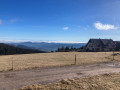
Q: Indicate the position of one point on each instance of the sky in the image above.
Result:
(59, 20)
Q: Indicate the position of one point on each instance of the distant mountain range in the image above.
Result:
(44, 46)
(6, 49)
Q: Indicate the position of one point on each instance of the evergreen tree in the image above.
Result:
(62, 49)
(67, 49)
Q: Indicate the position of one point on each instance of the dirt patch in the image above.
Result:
(79, 73)
(11, 75)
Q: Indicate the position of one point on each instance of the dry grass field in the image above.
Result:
(27, 61)
(101, 82)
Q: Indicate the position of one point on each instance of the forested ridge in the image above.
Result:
(9, 50)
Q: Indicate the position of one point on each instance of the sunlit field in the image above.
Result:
(28, 61)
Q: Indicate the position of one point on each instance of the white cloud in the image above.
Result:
(0, 21)
(62, 42)
(16, 20)
(65, 28)
(100, 26)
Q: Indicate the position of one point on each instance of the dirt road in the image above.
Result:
(16, 79)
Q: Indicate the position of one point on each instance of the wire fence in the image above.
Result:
(28, 61)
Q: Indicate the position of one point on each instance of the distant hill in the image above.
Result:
(44, 46)
(24, 47)
(9, 50)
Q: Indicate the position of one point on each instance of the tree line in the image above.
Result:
(9, 50)
(67, 49)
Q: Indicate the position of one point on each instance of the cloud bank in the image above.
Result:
(100, 26)
(20, 41)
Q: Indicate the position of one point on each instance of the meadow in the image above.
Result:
(39, 60)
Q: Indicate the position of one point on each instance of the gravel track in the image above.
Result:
(17, 79)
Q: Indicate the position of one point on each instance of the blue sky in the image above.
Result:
(59, 20)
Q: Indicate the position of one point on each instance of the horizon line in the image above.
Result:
(21, 41)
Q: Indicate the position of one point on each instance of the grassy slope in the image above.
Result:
(101, 82)
(25, 61)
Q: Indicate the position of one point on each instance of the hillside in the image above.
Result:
(9, 50)
(44, 46)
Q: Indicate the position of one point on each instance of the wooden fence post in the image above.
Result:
(113, 55)
(75, 59)
(12, 64)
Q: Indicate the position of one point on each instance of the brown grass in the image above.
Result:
(26, 61)
(101, 82)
